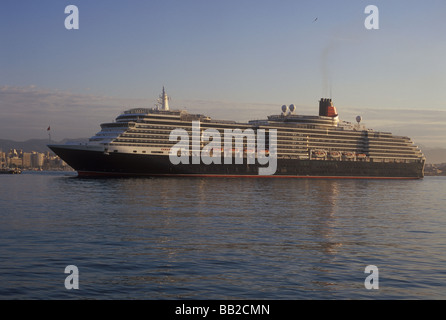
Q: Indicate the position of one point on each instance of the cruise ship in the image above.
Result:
(159, 141)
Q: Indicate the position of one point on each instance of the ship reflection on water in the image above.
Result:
(230, 231)
(220, 238)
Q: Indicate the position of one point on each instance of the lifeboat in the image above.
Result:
(361, 156)
(335, 154)
(319, 153)
(349, 155)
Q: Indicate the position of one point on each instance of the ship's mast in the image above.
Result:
(165, 100)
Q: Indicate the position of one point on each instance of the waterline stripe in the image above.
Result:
(199, 175)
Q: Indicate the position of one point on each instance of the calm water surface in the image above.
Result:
(221, 238)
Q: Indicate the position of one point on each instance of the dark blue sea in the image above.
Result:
(221, 238)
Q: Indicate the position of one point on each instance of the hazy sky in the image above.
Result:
(230, 59)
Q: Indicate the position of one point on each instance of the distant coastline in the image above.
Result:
(30, 155)
(37, 145)
(435, 169)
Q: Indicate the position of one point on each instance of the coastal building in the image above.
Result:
(33, 160)
(27, 163)
(37, 160)
(2, 159)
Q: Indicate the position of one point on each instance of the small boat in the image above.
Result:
(10, 171)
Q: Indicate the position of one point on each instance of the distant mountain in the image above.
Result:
(434, 155)
(38, 145)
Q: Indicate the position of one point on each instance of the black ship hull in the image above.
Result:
(96, 163)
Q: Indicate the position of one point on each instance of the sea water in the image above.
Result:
(221, 238)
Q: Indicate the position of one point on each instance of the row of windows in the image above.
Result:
(306, 157)
(281, 147)
(289, 137)
(301, 154)
(161, 135)
(169, 123)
